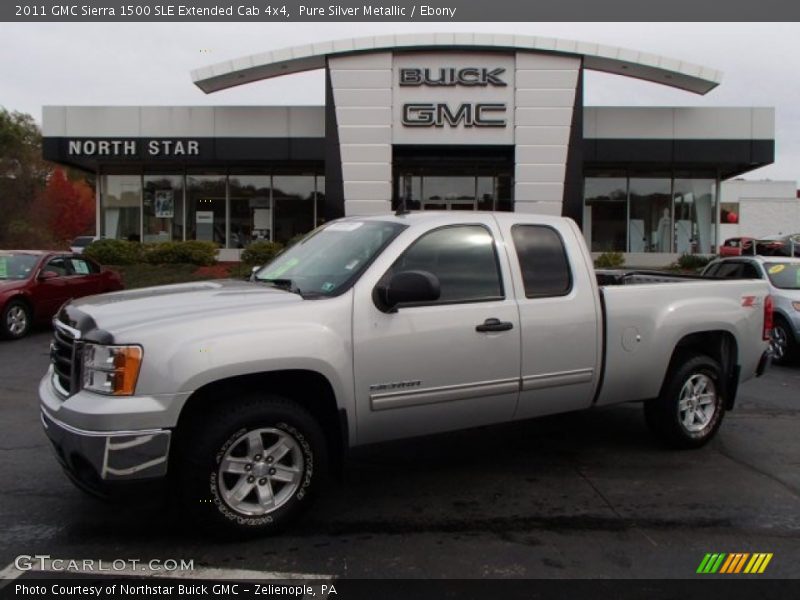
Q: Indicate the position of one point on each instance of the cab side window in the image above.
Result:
(542, 260)
(462, 257)
(57, 265)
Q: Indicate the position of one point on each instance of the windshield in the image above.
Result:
(784, 275)
(17, 266)
(329, 259)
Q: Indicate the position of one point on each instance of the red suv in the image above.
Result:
(34, 284)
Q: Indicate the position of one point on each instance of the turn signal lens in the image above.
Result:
(796, 305)
(111, 369)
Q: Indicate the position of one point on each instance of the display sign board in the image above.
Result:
(453, 98)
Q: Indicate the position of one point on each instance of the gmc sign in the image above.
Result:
(432, 114)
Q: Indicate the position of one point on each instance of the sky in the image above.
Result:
(149, 64)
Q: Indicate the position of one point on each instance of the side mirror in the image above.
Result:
(253, 272)
(407, 287)
(44, 275)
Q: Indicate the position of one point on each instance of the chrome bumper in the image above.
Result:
(96, 457)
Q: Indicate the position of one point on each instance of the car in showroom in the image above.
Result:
(783, 276)
(34, 284)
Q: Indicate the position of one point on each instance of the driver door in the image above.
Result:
(429, 367)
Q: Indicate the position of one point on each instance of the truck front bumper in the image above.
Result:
(97, 460)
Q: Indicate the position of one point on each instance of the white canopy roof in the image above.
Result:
(609, 59)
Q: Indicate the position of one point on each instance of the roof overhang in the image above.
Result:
(597, 57)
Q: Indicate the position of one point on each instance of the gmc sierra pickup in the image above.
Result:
(244, 395)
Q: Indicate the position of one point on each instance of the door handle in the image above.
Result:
(494, 325)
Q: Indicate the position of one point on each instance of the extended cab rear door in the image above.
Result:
(559, 314)
(437, 366)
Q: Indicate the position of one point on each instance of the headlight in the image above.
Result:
(796, 305)
(111, 369)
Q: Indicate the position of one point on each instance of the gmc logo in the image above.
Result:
(450, 77)
(431, 114)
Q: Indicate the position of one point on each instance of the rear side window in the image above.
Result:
(542, 260)
(462, 257)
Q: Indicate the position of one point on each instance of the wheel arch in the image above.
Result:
(720, 345)
(309, 389)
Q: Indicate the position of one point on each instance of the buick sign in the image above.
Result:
(451, 77)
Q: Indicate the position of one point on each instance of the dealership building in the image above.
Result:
(432, 121)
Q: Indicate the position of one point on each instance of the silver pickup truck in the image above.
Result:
(243, 396)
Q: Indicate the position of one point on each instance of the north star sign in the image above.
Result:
(116, 148)
(439, 114)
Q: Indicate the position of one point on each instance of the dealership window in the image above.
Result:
(606, 212)
(650, 223)
(294, 198)
(206, 208)
(695, 211)
(320, 201)
(251, 209)
(121, 206)
(163, 208)
(454, 192)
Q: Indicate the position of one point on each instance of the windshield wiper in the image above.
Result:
(284, 284)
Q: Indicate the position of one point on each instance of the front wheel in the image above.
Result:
(15, 320)
(689, 410)
(250, 468)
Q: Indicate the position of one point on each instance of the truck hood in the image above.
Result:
(156, 307)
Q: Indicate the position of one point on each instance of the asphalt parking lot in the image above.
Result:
(580, 495)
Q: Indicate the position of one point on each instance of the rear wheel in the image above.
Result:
(15, 320)
(690, 408)
(251, 468)
(783, 345)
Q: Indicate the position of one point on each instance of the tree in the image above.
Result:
(23, 172)
(68, 206)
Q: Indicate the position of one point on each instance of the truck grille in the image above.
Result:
(63, 355)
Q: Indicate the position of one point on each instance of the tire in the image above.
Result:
(229, 487)
(680, 417)
(784, 347)
(15, 320)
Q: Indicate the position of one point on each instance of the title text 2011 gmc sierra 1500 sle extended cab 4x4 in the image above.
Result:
(243, 395)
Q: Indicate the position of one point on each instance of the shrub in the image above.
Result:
(692, 262)
(192, 252)
(610, 260)
(114, 252)
(260, 253)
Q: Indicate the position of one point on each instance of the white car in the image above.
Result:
(79, 244)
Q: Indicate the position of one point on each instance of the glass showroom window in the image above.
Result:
(205, 208)
(695, 214)
(650, 224)
(251, 209)
(293, 197)
(320, 201)
(163, 208)
(121, 207)
(606, 212)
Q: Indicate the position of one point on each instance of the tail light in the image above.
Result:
(767, 335)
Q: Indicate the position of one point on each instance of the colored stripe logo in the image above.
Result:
(734, 563)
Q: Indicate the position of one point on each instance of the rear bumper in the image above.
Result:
(97, 460)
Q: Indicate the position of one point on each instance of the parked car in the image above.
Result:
(79, 244)
(779, 245)
(736, 246)
(783, 277)
(34, 285)
(246, 393)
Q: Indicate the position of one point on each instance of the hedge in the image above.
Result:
(260, 253)
(120, 252)
(115, 252)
